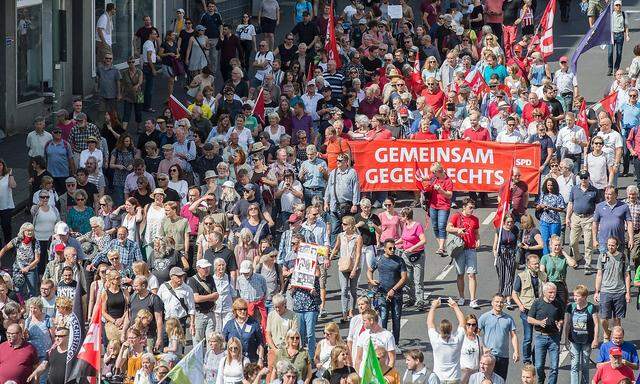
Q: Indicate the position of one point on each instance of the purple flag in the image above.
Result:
(599, 34)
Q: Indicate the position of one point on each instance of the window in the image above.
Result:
(29, 59)
(127, 20)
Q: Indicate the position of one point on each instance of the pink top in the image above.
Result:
(193, 220)
(390, 226)
(411, 236)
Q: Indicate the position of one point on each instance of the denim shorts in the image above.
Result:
(466, 262)
(613, 305)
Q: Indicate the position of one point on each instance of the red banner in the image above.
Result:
(481, 166)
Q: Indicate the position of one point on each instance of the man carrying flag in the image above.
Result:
(512, 198)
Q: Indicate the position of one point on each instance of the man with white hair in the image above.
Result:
(279, 321)
(571, 140)
(547, 316)
(487, 364)
(183, 148)
(253, 288)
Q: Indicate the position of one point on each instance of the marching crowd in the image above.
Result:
(187, 229)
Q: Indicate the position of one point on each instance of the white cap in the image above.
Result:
(203, 263)
(62, 228)
(246, 266)
(617, 2)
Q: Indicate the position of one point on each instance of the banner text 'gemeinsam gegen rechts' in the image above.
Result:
(481, 166)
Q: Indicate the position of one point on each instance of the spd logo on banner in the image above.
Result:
(479, 166)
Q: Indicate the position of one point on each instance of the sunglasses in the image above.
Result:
(241, 309)
(472, 324)
(598, 143)
(44, 197)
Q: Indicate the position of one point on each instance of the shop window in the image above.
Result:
(29, 60)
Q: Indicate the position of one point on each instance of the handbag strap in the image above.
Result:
(170, 289)
(202, 49)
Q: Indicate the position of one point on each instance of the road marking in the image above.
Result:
(489, 218)
(403, 322)
(563, 355)
(444, 272)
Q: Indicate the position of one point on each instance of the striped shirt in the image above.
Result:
(336, 81)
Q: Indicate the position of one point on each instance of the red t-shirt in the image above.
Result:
(607, 375)
(527, 112)
(481, 134)
(424, 136)
(383, 134)
(435, 100)
(518, 205)
(438, 200)
(470, 224)
(17, 364)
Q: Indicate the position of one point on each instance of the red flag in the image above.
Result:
(582, 119)
(331, 46)
(417, 85)
(608, 104)
(505, 201)
(476, 82)
(178, 110)
(312, 68)
(258, 108)
(87, 363)
(419, 178)
(546, 29)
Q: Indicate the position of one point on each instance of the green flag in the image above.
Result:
(190, 368)
(372, 373)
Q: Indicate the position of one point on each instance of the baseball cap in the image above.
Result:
(59, 247)
(250, 187)
(503, 104)
(246, 266)
(617, 2)
(614, 351)
(167, 147)
(176, 271)
(92, 139)
(311, 83)
(203, 263)
(583, 174)
(362, 22)
(563, 59)
(294, 218)
(403, 112)
(70, 180)
(207, 147)
(62, 228)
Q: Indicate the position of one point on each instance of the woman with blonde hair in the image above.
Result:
(324, 348)
(64, 307)
(274, 129)
(141, 268)
(295, 354)
(339, 368)
(153, 215)
(115, 302)
(348, 248)
(430, 68)
(231, 369)
(247, 330)
(142, 322)
(176, 335)
(24, 273)
(212, 357)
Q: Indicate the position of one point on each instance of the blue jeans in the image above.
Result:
(527, 330)
(30, 288)
(393, 308)
(544, 344)
(148, 86)
(618, 42)
(580, 354)
(439, 219)
(336, 227)
(307, 327)
(546, 230)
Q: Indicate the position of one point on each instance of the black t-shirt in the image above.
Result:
(511, 11)
(581, 325)
(144, 137)
(371, 64)
(196, 284)
(286, 55)
(142, 199)
(160, 266)
(368, 231)
(173, 48)
(476, 25)
(57, 366)
(67, 290)
(91, 190)
(225, 254)
(331, 103)
(540, 309)
(152, 303)
(554, 105)
(336, 375)
(306, 32)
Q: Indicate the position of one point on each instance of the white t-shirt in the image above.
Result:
(612, 140)
(383, 338)
(246, 31)
(470, 353)
(598, 170)
(261, 57)
(148, 46)
(85, 154)
(288, 200)
(104, 23)
(446, 354)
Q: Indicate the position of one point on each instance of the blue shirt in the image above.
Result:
(212, 23)
(499, 70)
(250, 335)
(629, 352)
(611, 220)
(57, 156)
(496, 332)
(389, 271)
(313, 178)
(630, 115)
(584, 202)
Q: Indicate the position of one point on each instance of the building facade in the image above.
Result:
(47, 57)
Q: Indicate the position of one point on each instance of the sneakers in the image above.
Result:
(323, 313)
(474, 304)
(461, 301)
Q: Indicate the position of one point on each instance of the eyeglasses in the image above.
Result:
(173, 170)
(296, 337)
(391, 248)
(339, 160)
(472, 324)
(80, 199)
(44, 197)
(234, 348)
(163, 179)
(57, 132)
(103, 204)
(633, 95)
(344, 223)
(598, 143)
(241, 309)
